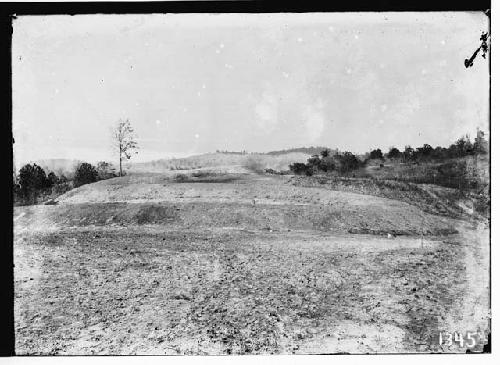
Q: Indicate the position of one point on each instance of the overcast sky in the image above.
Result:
(195, 83)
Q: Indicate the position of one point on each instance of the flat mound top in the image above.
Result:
(207, 198)
(215, 186)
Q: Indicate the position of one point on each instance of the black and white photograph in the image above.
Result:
(272, 183)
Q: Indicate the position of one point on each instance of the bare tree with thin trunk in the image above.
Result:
(124, 141)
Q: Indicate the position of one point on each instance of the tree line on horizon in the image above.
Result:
(345, 162)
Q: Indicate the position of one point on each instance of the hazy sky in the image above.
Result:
(194, 83)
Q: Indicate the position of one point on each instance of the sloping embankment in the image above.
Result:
(429, 198)
(404, 219)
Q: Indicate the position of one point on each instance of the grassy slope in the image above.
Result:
(431, 186)
(445, 173)
(429, 198)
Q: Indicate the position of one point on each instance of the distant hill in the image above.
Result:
(307, 150)
(277, 161)
(184, 163)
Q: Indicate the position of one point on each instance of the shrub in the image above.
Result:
(349, 162)
(85, 174)
(299, 168)
(52, 179)
(310, 171)
(325, 153)
(315, 160)
(394, 153)
(480, 144)
(32, 180)
(376, 154)
(274, 172)
(105, 170)
(329, 163)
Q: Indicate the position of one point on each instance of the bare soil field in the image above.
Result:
(231, 262)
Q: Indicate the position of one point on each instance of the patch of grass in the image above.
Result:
(468, 174)
(434, 201)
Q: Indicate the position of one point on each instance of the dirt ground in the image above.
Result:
(244, 265)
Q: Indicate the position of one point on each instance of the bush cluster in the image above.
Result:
(327, 161)
(33, 184)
